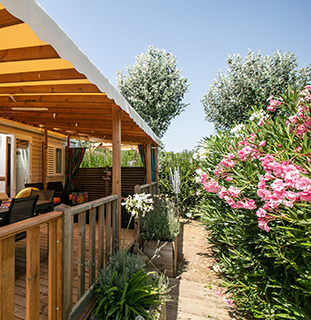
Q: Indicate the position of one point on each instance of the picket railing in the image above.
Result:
(7, 266)
(81, 267)
(80, 240)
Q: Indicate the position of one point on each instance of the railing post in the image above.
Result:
(7, 278)
(67, 262)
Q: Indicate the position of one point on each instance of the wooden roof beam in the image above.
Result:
(28, 53)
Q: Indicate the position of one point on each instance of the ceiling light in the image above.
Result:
(29, 109)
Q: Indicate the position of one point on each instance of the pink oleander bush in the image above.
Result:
(257, 180)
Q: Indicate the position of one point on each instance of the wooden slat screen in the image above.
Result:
(90, 180)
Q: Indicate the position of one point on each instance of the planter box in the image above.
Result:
(165, 255)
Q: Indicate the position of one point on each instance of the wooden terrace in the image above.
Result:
(51, 273)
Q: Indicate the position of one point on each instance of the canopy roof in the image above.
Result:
(47, 81)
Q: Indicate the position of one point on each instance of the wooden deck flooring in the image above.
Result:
(20, 271)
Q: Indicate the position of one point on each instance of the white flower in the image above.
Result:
(188, 215)
(138, 203)
(235, 131)
(257, 115)
(199, 171)
(217, 268)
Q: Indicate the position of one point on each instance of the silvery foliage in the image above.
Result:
(155, 88)
(248, 83)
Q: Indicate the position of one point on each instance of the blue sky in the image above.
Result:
(200, 33)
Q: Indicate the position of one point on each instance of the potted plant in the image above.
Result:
(158, 230)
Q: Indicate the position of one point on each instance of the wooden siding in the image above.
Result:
(37, 136)
(90, 180)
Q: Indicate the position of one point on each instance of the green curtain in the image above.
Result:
(74, 159)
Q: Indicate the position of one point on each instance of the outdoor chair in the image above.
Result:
(21, 209)
(46, 196)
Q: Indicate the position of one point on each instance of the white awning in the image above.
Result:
(47, 81)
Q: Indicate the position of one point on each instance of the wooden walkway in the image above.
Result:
(192, 296)
(20, 268)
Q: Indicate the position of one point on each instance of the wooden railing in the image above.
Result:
(90, 254)
(77, 251)
(7, 266)
(146, 188)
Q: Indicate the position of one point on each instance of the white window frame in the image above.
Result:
(51, 162)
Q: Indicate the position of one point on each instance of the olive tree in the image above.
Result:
(154, 87)
(250, 82)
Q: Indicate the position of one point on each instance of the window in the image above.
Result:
(55, 161)
(59, 161)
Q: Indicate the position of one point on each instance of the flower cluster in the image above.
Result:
(138, 203)
(236, 131)
(200, 154)
(282, 183)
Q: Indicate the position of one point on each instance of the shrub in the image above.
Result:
(126, 290)
(161, 223)
(257, 209)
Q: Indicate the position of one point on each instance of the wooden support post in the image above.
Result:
(116, 163)
(67, 262)
(148, 165)
(44, 157)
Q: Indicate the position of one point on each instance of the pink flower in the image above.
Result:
(302, 183)
(261, 213)
(227, 163)
(222, 193)
(261, 183)
(250, 205)
(218, 293)
(264, 194)
(263, 225)
(305, 195)
(273, 104)
(233, 192)
(261, 122)
(229, 303)
(263, 143)
(239, 205)
(291, 196)
(230, 201)
(229, 179)
(288, 204)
